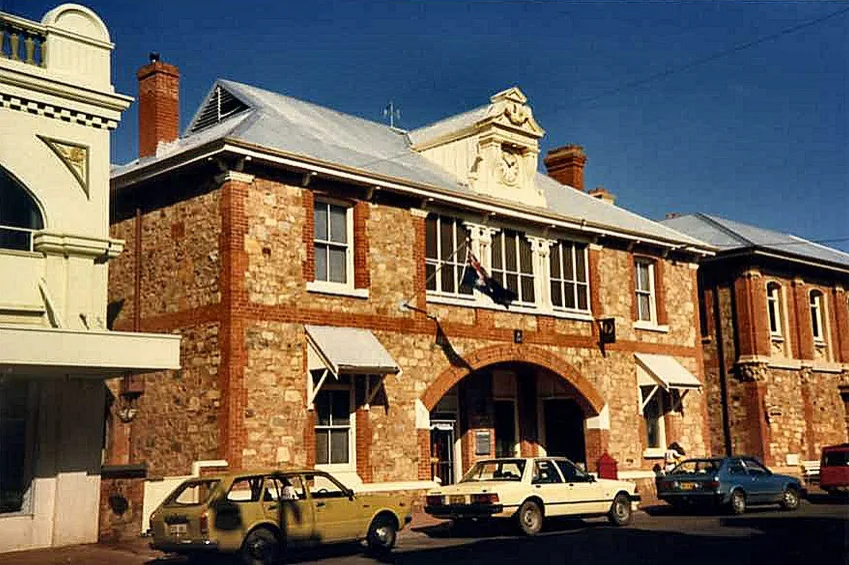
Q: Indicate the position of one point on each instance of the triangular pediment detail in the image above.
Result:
(509, 108)
(74, 156)
(219, 105)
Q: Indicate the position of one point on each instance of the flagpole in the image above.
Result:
(466, 242)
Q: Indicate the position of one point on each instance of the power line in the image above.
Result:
(706, 59)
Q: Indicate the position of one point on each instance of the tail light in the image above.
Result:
(485, 498)
(434, 500)
(712, 484)
(204, 523)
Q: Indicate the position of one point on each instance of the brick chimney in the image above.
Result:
(566, 165)
(603, 194)
(159, 104)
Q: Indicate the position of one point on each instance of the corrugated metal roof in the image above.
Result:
(444, 127)
(286, 124)
(730, 235)
(351, 350)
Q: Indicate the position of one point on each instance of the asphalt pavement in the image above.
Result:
(816, 534)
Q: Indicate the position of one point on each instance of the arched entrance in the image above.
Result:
(508, 401)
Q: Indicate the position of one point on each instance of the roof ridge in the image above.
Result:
(716, 223)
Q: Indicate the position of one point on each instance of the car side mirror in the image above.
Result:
(350, 494)
(590, 479)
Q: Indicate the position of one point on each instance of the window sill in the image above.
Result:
(336, 289)
(654, 453)
(514, 308)
(776, 338)
(651, 327)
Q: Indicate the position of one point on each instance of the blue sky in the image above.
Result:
(760, 135)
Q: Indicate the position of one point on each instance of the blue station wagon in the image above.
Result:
(729, 482)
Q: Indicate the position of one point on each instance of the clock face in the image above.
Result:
(510, 167)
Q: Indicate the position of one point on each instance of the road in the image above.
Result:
(816, 534)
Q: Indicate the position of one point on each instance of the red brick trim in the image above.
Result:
(596, 444)
(594, 258)
(419, 255)
(632, 286)
(745, 315)
(831, 307)
(804, 331)
(362, 277)
(309, 438)
(592, 401)
(363, 443)
(309, 234)
(808, 413)
(234, 298)
(424, 466)
(841, 310)
(700, 359)
(660, 292)
(758, 429)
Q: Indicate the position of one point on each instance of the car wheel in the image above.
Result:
(382, 534)
(620, 511)
(738, 502)
(530, 518)
(790, 499)
(261, 547)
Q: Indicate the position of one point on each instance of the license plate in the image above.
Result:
(178, 529)
(688, 486)
(457, 499)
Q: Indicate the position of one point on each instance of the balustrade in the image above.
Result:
(22, 41)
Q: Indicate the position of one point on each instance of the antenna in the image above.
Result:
(392, 112)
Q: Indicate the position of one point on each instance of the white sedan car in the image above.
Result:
(529, 489)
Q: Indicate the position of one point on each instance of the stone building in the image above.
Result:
(57, 109)
(313, 263)
(775, 332)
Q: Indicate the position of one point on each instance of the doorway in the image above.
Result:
(505, 428)
(564, 429)
(442, 437)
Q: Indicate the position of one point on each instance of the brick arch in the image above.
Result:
(481, 358)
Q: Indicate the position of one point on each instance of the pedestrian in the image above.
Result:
(673, 456)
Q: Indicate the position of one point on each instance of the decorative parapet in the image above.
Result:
(22, 40)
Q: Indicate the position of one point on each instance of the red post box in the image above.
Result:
(607, 467)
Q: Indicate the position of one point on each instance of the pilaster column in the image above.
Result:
(481, 242)
(804, 332)
(541, 249)
(841, 330)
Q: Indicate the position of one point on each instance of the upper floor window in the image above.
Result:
(817, 327)
(644, 286)
(773, 306)
(333, 237)
(512, 264)
(445, 255)
(19, 214)
(569, 276)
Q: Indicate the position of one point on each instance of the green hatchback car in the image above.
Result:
(257, 515)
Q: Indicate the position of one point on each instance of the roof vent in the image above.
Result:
(219, 106)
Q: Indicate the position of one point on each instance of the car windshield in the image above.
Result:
(835, 458)
(696, 467)
(192, 492)
(502, 470)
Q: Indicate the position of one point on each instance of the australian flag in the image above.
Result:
(476, 276)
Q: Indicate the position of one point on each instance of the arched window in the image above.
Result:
(773, 306)
(19, 214)
(817, 317)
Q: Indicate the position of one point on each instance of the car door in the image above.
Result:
(547, 483)
(583, 494)
(337, 513)
(290, 507)
(763, 486)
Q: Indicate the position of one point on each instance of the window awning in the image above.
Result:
(664, 371)
(347, 350)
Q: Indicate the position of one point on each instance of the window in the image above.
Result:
(645, 295)
(192, 493)
(569, 279)
(773, 306)
(19, 214)
(15, 447)
(512, 264)
(445, 255)
(653, 399)
(245, 489)
(333, 235)
(545, 472)
(325, 486)
(571, 473)
(499, 470)
(755, 468)
(333, 426)
(816, 316)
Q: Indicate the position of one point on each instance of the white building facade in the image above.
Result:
(57, 109)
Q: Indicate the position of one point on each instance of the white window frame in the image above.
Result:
(501, 237)
(573, 246)
(650, 292)
(774, 309)
(351, 465)
(817, 308)
(457, 262)
(348, 285)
